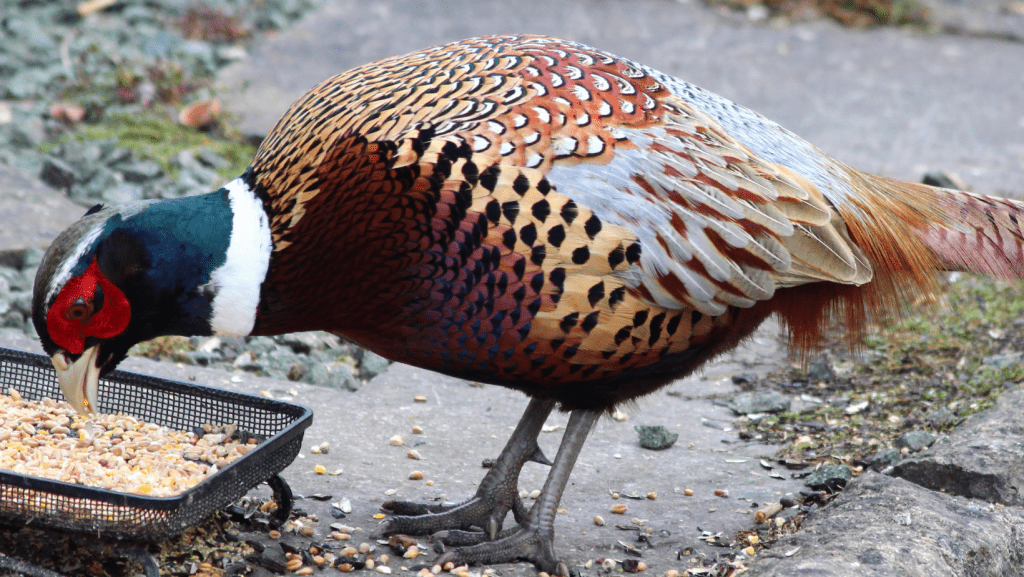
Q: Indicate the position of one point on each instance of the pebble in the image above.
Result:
(656, 438)
(396, 441)
(417, 430)
(420, 399)
(599, 521)
(416, 475)
(619, 508)
(414, 454)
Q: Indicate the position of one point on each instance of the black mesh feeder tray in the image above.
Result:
(59, 505)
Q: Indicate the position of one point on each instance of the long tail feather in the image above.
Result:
(981, 234)
(909, 232)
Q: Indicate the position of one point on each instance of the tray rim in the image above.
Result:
(302, 419)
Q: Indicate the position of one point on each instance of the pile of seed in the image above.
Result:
(117, 452)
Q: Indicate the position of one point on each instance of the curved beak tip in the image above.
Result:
(79, 380)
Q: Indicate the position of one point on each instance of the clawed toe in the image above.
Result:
(519, 544)
(412, 508)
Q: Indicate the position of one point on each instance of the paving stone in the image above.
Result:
(983, 458)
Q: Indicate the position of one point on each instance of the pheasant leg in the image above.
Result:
(533, 539)
(480, 517)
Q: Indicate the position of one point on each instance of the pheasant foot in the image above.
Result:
(482, 515)
(533, 539)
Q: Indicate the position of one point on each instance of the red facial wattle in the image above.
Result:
(89, 305)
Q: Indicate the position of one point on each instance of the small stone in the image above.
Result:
(58, 173)
(417, 430)
(140, 170)
(829, 478)
(420, 399)
(599, 521)
(656, 437)
(633, 566)
(372, 365)
(396, 441)
(619, 509)
(914, 441)
(652, 495)
(884, 458)
(342, 376)
(688, 492)
(211, 159)
(943, 417)
(759, 402)
(416, 475)
(414, 454)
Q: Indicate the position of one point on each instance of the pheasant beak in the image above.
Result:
(79, 380)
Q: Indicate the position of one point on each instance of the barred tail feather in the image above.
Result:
(982, 235)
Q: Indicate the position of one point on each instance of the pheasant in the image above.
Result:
(523, 211)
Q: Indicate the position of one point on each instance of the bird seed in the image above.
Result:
(115, 452)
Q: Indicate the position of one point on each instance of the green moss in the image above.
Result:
(161, 139)
(958, 354)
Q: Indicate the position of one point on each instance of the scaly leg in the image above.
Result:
(483, 514)
(534, 539)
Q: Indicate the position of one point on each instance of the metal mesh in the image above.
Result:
(182, 406)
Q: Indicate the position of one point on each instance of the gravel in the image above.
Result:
(61, 72)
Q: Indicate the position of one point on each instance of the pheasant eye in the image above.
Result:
(80, 311)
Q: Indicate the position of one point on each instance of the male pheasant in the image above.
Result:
(524, 211)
